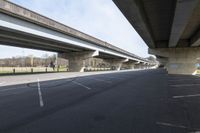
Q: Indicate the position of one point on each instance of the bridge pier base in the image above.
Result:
(139, 65)
(180, 60)
(130, 64)
(162, 61)
(77, 59)
(115, 64)
(181, 67)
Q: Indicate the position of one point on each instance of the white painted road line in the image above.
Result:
(40, 94)
(187, 85)
(177, 126)
(77, 83)
(171, 125)
(185, 96)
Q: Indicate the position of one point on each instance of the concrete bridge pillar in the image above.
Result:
(140, 65)
(77, 59)
(144, 65)
(162, 61)
(180, 60)
(130, 64)
(137, 65)
(115, 64)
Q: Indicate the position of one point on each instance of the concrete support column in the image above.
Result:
(129, 65)
(179, 66)
(144, 66)
(184, 63)
(115, 64)
(180, 60)
(77, 59)
(162, 61)
(137, 65)
(140, 65)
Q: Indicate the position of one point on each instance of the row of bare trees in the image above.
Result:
(29, 61)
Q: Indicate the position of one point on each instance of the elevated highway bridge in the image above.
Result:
(148, 101)
(170, 28)
(24, 28)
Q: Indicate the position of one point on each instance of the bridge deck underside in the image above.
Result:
(19, 39)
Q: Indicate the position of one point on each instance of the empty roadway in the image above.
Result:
(127, 102)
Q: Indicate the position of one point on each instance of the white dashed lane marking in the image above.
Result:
(40, 94)
(186, 96)
(170, 125)
(77, 83)
(177, 126)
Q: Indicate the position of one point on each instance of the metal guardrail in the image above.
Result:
(18, 70)
(96, 69)
(31, 70)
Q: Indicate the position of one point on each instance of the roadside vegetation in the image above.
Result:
(30, 64)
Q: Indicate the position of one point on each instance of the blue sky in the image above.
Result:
(99, 18)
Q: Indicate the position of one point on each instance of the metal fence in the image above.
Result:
(16, 70)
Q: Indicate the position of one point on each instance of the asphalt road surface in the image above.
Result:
(148, 101)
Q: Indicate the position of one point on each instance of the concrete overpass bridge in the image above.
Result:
(24, 28)
(170, 28)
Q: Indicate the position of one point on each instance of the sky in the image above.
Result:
(99, 18)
